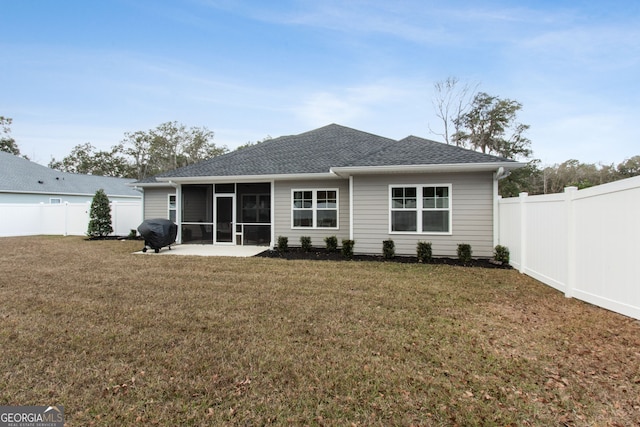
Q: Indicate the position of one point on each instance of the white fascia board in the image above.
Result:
(397, 169)
(149, 184)
(244, 178)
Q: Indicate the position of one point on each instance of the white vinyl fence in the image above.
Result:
(585, 243)
(66, 219)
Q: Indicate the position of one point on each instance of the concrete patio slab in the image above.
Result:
(209, 250)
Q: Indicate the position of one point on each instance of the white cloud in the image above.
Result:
(352, 104)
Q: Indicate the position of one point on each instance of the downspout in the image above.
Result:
(502, 174)
(497, 176)
(272, 209)
(351, 234)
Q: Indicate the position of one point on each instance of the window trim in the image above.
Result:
(314, 208)
(419, 209)
(55, 200)
(175, 208)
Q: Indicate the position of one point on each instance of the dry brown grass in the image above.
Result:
(122, 339)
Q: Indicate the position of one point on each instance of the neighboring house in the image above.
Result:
(23, 181)
(336, 181)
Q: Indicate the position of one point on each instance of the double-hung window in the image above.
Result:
(420, 209)
(404, 209)
(315, 208)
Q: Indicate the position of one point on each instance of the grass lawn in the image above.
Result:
(124, 339)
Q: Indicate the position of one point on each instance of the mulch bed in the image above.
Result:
(321, 254)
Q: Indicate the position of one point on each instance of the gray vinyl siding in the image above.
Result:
(282, 215)
(156, 202)
(472, 213)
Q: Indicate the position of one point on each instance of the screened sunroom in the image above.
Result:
(230, 213)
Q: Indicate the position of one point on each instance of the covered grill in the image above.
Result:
(157, 233)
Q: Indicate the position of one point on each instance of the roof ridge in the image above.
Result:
(465, 149)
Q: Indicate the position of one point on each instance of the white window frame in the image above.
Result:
(175, 208)
(55, 201)
(314, 208)
(419, 208)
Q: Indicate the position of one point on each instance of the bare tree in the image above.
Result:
(451, 100)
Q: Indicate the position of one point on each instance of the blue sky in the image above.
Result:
(81, 71)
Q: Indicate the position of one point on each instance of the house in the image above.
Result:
(23, 181)
(336, 181)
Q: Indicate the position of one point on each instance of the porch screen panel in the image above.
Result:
(256, 208)
(197, 203)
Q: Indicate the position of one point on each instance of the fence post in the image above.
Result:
(114, 216)
(88, 216)
(66, 219)
(523, 230)
(570, 194)
(41, 229)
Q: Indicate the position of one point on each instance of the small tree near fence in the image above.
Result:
(100, 216)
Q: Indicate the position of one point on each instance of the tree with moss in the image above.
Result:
(490, 126)
(100, 216)
(7, 143)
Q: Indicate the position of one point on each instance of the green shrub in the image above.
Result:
(332, 243)
(283, 244)
(464, 252)
(100, 216)
(347, 248)
(501, 254)
(305, 242)
(133, 234)
(388, 249)
(423, 250)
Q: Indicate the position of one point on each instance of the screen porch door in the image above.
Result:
(224, 214)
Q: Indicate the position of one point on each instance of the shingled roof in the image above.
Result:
(330, 147)
(18, 175)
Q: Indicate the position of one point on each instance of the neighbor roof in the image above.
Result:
(330, 148)
(18, 175)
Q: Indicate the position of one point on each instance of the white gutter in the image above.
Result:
(396, 169)
(243, 178)
(147, 184)
(336, 172)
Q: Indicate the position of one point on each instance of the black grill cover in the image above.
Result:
(158, 232)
